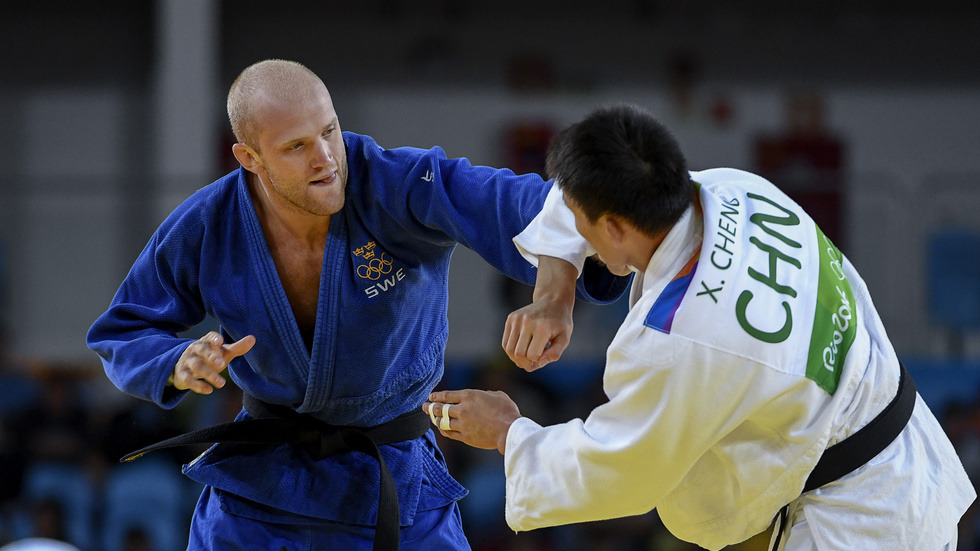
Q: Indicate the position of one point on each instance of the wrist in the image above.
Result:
(502, 436)
(502, 442)
(555, 280)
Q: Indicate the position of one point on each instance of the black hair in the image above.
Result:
(620, 160)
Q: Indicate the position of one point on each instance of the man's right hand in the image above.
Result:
(199, 367)
(538, 333)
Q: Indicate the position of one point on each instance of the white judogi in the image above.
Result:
(751, 345)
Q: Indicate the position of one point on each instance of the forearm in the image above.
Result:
(555, 281)
(141, 367)
(552, 232)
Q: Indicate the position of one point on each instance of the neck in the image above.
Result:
(649, 245)
(644, 248)
(280, 217)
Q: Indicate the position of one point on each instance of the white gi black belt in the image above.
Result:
(857, 449)
(274, 424)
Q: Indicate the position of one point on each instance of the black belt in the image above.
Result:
(273, 425)
(857, 449)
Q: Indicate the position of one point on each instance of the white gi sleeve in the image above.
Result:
(552, 233)
(633, 451)
(620, 461)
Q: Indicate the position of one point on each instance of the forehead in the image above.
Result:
(574, 207)
(300, 115)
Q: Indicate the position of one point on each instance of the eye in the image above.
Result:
(296, 146)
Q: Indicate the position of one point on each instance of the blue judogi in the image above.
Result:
(381, 329)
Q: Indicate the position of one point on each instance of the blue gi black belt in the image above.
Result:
(857, 449)
(274, 424)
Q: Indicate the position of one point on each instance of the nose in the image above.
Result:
(322, 155)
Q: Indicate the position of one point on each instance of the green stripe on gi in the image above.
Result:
(835, 319)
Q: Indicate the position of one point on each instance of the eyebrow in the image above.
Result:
(289, 142)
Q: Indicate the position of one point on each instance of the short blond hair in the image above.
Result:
(277, 78)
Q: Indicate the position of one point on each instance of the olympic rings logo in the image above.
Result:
(375, 268)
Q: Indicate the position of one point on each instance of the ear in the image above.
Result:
(247, 157)
(616, 229)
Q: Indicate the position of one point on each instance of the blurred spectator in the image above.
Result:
(52, 403)
(47, 529)
(18, 392)
(59, 422)
(49, 520)
(38, 544)
(960, 423)
(63, 466)
(136, 424)
(136, 539)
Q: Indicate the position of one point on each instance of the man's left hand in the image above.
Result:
(478, 418)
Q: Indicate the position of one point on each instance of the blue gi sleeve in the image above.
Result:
(137, 337)
(483, 208)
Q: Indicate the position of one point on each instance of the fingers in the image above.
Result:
(444, 410)
(437, 410)
(521, 343)
(478, 418)
(553, 351)
(439, 406)
(197, 376)
(535, 350)
(200, 365)
(239, 348)
(441, 416)
(511, 333)
(536, 334)
(448, 396)
(527, 346)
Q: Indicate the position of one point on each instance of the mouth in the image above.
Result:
(326, 180)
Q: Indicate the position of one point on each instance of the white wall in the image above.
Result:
(63, 197)
(62, 215)
(898, 141)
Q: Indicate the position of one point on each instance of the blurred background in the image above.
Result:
(112, 112)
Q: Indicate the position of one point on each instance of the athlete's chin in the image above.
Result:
(323, 208)
(328, 201)
(620, 270)
(331, 208)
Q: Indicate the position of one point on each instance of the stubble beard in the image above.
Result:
(298, 195)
